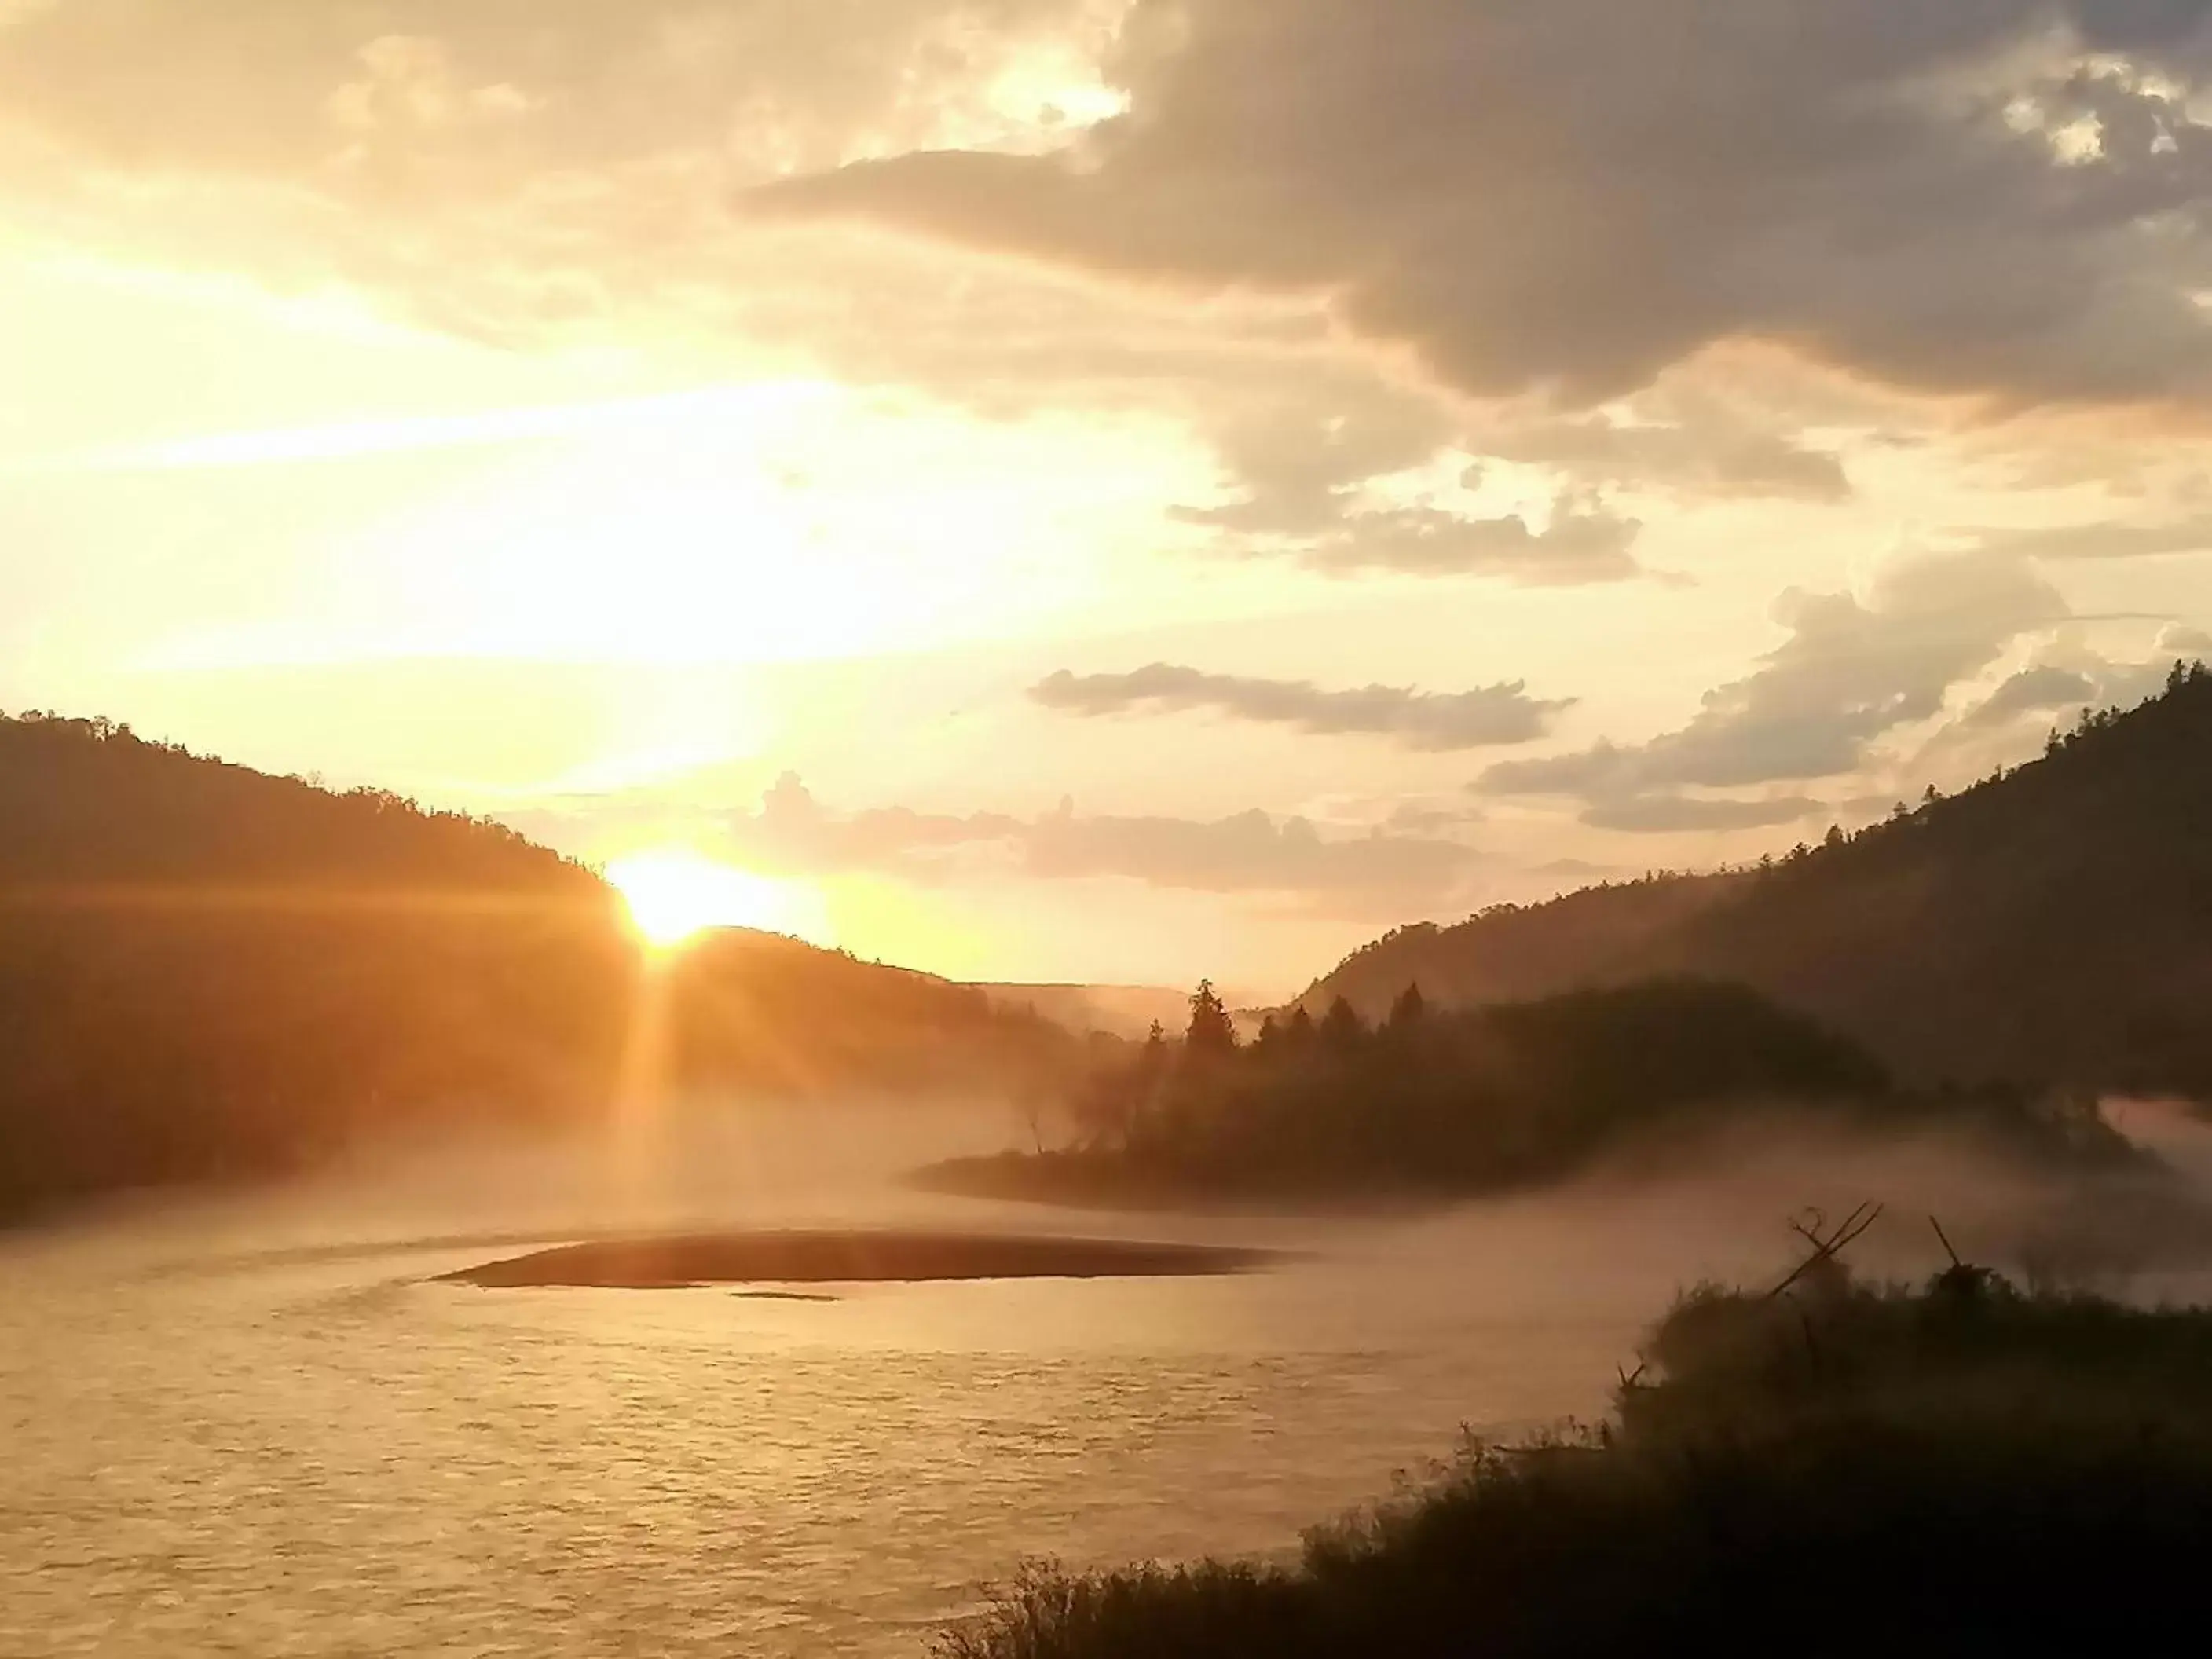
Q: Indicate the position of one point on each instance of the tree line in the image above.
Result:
(1456, 1102)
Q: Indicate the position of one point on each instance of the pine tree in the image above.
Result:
(1341, 1027)
(1408, 1009)
(1212, 1031)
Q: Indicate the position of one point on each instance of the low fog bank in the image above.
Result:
(702, 1164)
(1726, 1205)
(1617, 1243)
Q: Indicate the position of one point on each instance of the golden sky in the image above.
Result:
(1108, 489)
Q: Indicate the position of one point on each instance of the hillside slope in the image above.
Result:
(207, 972)
(2052, 925)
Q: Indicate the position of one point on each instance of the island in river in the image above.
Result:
(848, 1257)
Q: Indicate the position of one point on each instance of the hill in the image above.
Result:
(1121, 1010)
(206, 972)
(2052, 926)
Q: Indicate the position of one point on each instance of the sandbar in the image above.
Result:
(849, 1258)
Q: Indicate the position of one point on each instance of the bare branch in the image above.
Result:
(1853, 1227)
(1945, 1240)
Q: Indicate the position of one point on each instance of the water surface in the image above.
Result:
(266, 1430)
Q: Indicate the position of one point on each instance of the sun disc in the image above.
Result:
(675, 895)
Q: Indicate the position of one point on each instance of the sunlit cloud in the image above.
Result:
(1436, 722)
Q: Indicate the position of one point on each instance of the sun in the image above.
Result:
(675, 894)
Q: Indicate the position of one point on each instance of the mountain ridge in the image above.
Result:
(2050, 925)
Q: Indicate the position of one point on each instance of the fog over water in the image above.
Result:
(252, 1426)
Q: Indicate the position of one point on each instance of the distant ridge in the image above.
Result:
(1123, 1010)
(210, 973)
(2051, 926)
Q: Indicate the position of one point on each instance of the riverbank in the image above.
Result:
(1831, 1468)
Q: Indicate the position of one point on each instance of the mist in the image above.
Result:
(1614, 1245)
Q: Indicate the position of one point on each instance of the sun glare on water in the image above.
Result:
(676, 894)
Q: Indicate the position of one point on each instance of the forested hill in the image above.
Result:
(207, 972)
(2052, 925)
(86, 806)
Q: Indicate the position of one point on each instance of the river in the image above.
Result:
(261, 1429)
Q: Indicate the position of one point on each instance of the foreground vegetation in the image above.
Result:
(1819, 1471)
(1476, 1101)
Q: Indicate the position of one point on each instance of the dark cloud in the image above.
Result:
(1432, 721)
(2033, 690)
(2066, 675)
(1851, 671)
(1250, 853)
(1999, 196)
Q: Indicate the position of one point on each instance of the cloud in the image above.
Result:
(1582, 545)
(1673, 814)
(1304, 473)
(1251, 852)
(1434, 722)
(1704, 450)
(2065, 674)
(1300, 463)
(2103, 540)
(2033, 690)
(1851, 671)
(475, 94)
(513, 171)
(2003, 199)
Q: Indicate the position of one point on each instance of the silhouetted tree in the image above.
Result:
(1407, 1010)
(1341, 1027)
(1299, 1034)
(1212, 1033)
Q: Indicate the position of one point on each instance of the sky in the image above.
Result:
(1109, 490)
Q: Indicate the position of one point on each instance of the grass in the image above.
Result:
(1841, 1468)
